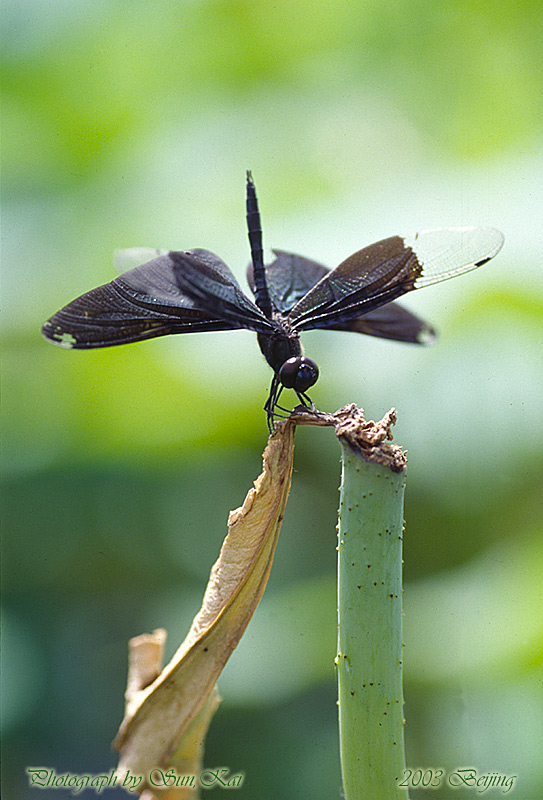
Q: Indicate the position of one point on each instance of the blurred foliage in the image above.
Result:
(85, 81)
(132, 124)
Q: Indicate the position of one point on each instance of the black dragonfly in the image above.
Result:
(194, 290)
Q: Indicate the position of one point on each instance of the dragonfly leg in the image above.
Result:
(272, 406)
(306, 401)
(271, 403)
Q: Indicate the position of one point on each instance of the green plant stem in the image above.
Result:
(369, 661)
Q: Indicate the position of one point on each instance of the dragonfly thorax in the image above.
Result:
(280, 345)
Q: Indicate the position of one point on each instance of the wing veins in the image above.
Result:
(396, 277)
(216, 294)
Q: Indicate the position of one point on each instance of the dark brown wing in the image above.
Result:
(388, 269)
(391, 321)
(289, 277)
(144, 302)
(213, 288)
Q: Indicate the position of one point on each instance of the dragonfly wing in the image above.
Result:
(206, 279)
(289, 278)
(391, 321)
(390, 268)
(448, 252)
(140, 304)
(131, 257)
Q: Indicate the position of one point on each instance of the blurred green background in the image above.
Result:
(133, 124)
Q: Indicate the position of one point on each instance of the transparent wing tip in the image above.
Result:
(55, 336)
(427, 335)
(446, 252)
(135, 256)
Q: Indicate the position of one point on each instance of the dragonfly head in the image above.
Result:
(299, 373)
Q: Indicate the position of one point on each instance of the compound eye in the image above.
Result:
(299, 373)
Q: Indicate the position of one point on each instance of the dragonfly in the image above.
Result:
(194, 290)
